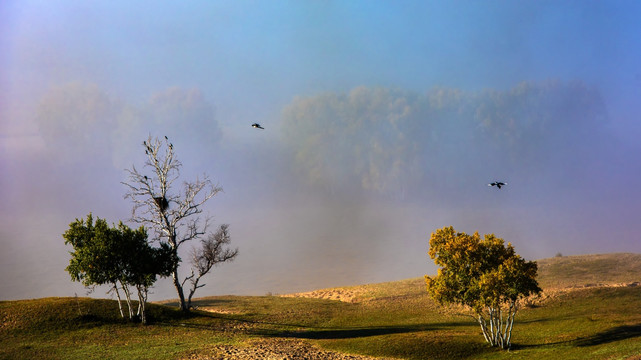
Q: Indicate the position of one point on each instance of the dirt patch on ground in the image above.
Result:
(274, 349)
(218, 310)
(616, 285)
(344, 295)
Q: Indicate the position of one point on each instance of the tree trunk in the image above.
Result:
(119, 301)
(125, 289)
(481, 321)
(510, 323)
(499, 331)
(194, 285)
(191, 293)
(173, 242)
(142, 300)
(179, 290)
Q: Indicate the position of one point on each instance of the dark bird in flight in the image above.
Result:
(166, 138)
(257, 126)
(498, 184)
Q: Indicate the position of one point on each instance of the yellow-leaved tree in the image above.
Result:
(484, 275)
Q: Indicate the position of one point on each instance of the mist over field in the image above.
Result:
(383, 122)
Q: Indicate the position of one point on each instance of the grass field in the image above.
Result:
(398, 320)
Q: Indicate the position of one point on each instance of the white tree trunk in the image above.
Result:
(499, 332)
(125, 289)
(142, 300)
(119, 300)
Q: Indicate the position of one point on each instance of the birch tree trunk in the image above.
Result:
(497, 328)
(115, 288)
(125, 289)
(142, 301)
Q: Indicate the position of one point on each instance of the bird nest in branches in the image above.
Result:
(162, 202)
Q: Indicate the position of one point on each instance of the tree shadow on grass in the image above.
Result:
(403, 341)
(611, 335)
(321, 333)
(519, 346)
(605, 337)
(205, 302)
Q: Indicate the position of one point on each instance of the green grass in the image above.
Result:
(396, 319)
(69, 328)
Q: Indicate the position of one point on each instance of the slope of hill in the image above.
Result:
(389, 320)
(557, 273)
(589, 270)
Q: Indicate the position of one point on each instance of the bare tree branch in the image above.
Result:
(188, 278)
(212, 253)
(174, 215)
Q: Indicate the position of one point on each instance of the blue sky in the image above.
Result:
(543, 94)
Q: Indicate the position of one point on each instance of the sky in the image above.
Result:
(384, 121)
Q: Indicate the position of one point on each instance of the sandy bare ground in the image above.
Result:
(275, 349)
(344, 295)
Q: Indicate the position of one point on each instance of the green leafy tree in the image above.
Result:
(93, 260)
(485, 276)
(116, 256)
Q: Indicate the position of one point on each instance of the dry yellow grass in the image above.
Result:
(617, 269)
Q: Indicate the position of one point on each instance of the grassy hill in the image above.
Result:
(589, 270)
(393, 320)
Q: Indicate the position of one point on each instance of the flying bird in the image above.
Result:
(498, 184)
(257, 126)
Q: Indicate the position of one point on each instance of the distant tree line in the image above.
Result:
(385, 137)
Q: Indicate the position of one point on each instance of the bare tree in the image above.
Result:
(212, 252)
(175, 216)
